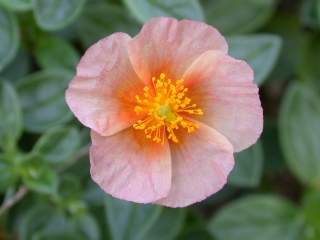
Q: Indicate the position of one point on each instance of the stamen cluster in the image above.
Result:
(165, 107)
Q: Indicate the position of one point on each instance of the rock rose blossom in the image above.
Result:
(167, 110)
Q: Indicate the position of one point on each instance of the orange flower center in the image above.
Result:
(165, 108)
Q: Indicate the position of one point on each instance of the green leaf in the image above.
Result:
(18, 68)
(248, 168)
(57, 146)
(88, 227)
(288, 27)
(45, 222)
(38, 176)
(309, 67)
(300, 132)
(42, 98)
(238, 16)
(69, 187)
(17, 5)
(49, 52)
(167, 226)
(310, 13)
(56, 14)
(94, 25)
(11, 118)
(198, 235)
(9, 37)
(130, 221)
(7, 176)
(318, 8)
(93, 195)
(69, 195)
(274, 163)
(54, 235)
(143, 10)
(257, 217)
(33, 219)
(311, 211)
(255, 49)
(84, 228)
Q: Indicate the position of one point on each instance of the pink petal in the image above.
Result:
(223, 87)
(101, 94)
(170, 46)
(200, 166)
(129, 167)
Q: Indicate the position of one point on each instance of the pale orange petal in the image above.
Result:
(223, 87)
(201, 164)
(102, 93)
(167, 45)
(129, 167)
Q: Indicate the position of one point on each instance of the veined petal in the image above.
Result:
(224, 89)
(102, 93)
(201, 164)
(167, 45)
(127, 167)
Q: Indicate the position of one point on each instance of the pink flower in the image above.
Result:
(167, 110)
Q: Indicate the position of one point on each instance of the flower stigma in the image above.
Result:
(165, 109)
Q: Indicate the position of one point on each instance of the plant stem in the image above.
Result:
(7, 204)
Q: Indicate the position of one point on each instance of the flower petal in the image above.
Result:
(223, 87)
(102, 93)
(170, 46)
(129, 167)
(200, 166)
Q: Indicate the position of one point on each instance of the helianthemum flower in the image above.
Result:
(167, 110)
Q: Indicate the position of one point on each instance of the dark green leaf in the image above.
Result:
(300, 132)
(58, 145)
(94, 195)
(248, 168)
(274, 162)
(61, 235)
(69, 187)
(195, 235)
(38, 176)
(9, 37)
(255, 49)
(33, 219)
(68, 196)
(42, 98)
(11, 119)
(309, 68)
(293, 41)
(18, 68)
(40, 179)
(53, 52)
(167, 226)
(318, 8)
(88, 227)
(60, 227)
(44, 222)
(311, 209)
(94, 24)
(260, 217)
(56, 14)
(143, 10)
(17, 5)
(7, 175)
(128, 220)
(238, 16)
(310, 13)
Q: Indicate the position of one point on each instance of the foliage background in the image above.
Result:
(45, 188)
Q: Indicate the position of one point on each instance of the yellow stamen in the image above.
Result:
(164, 109)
